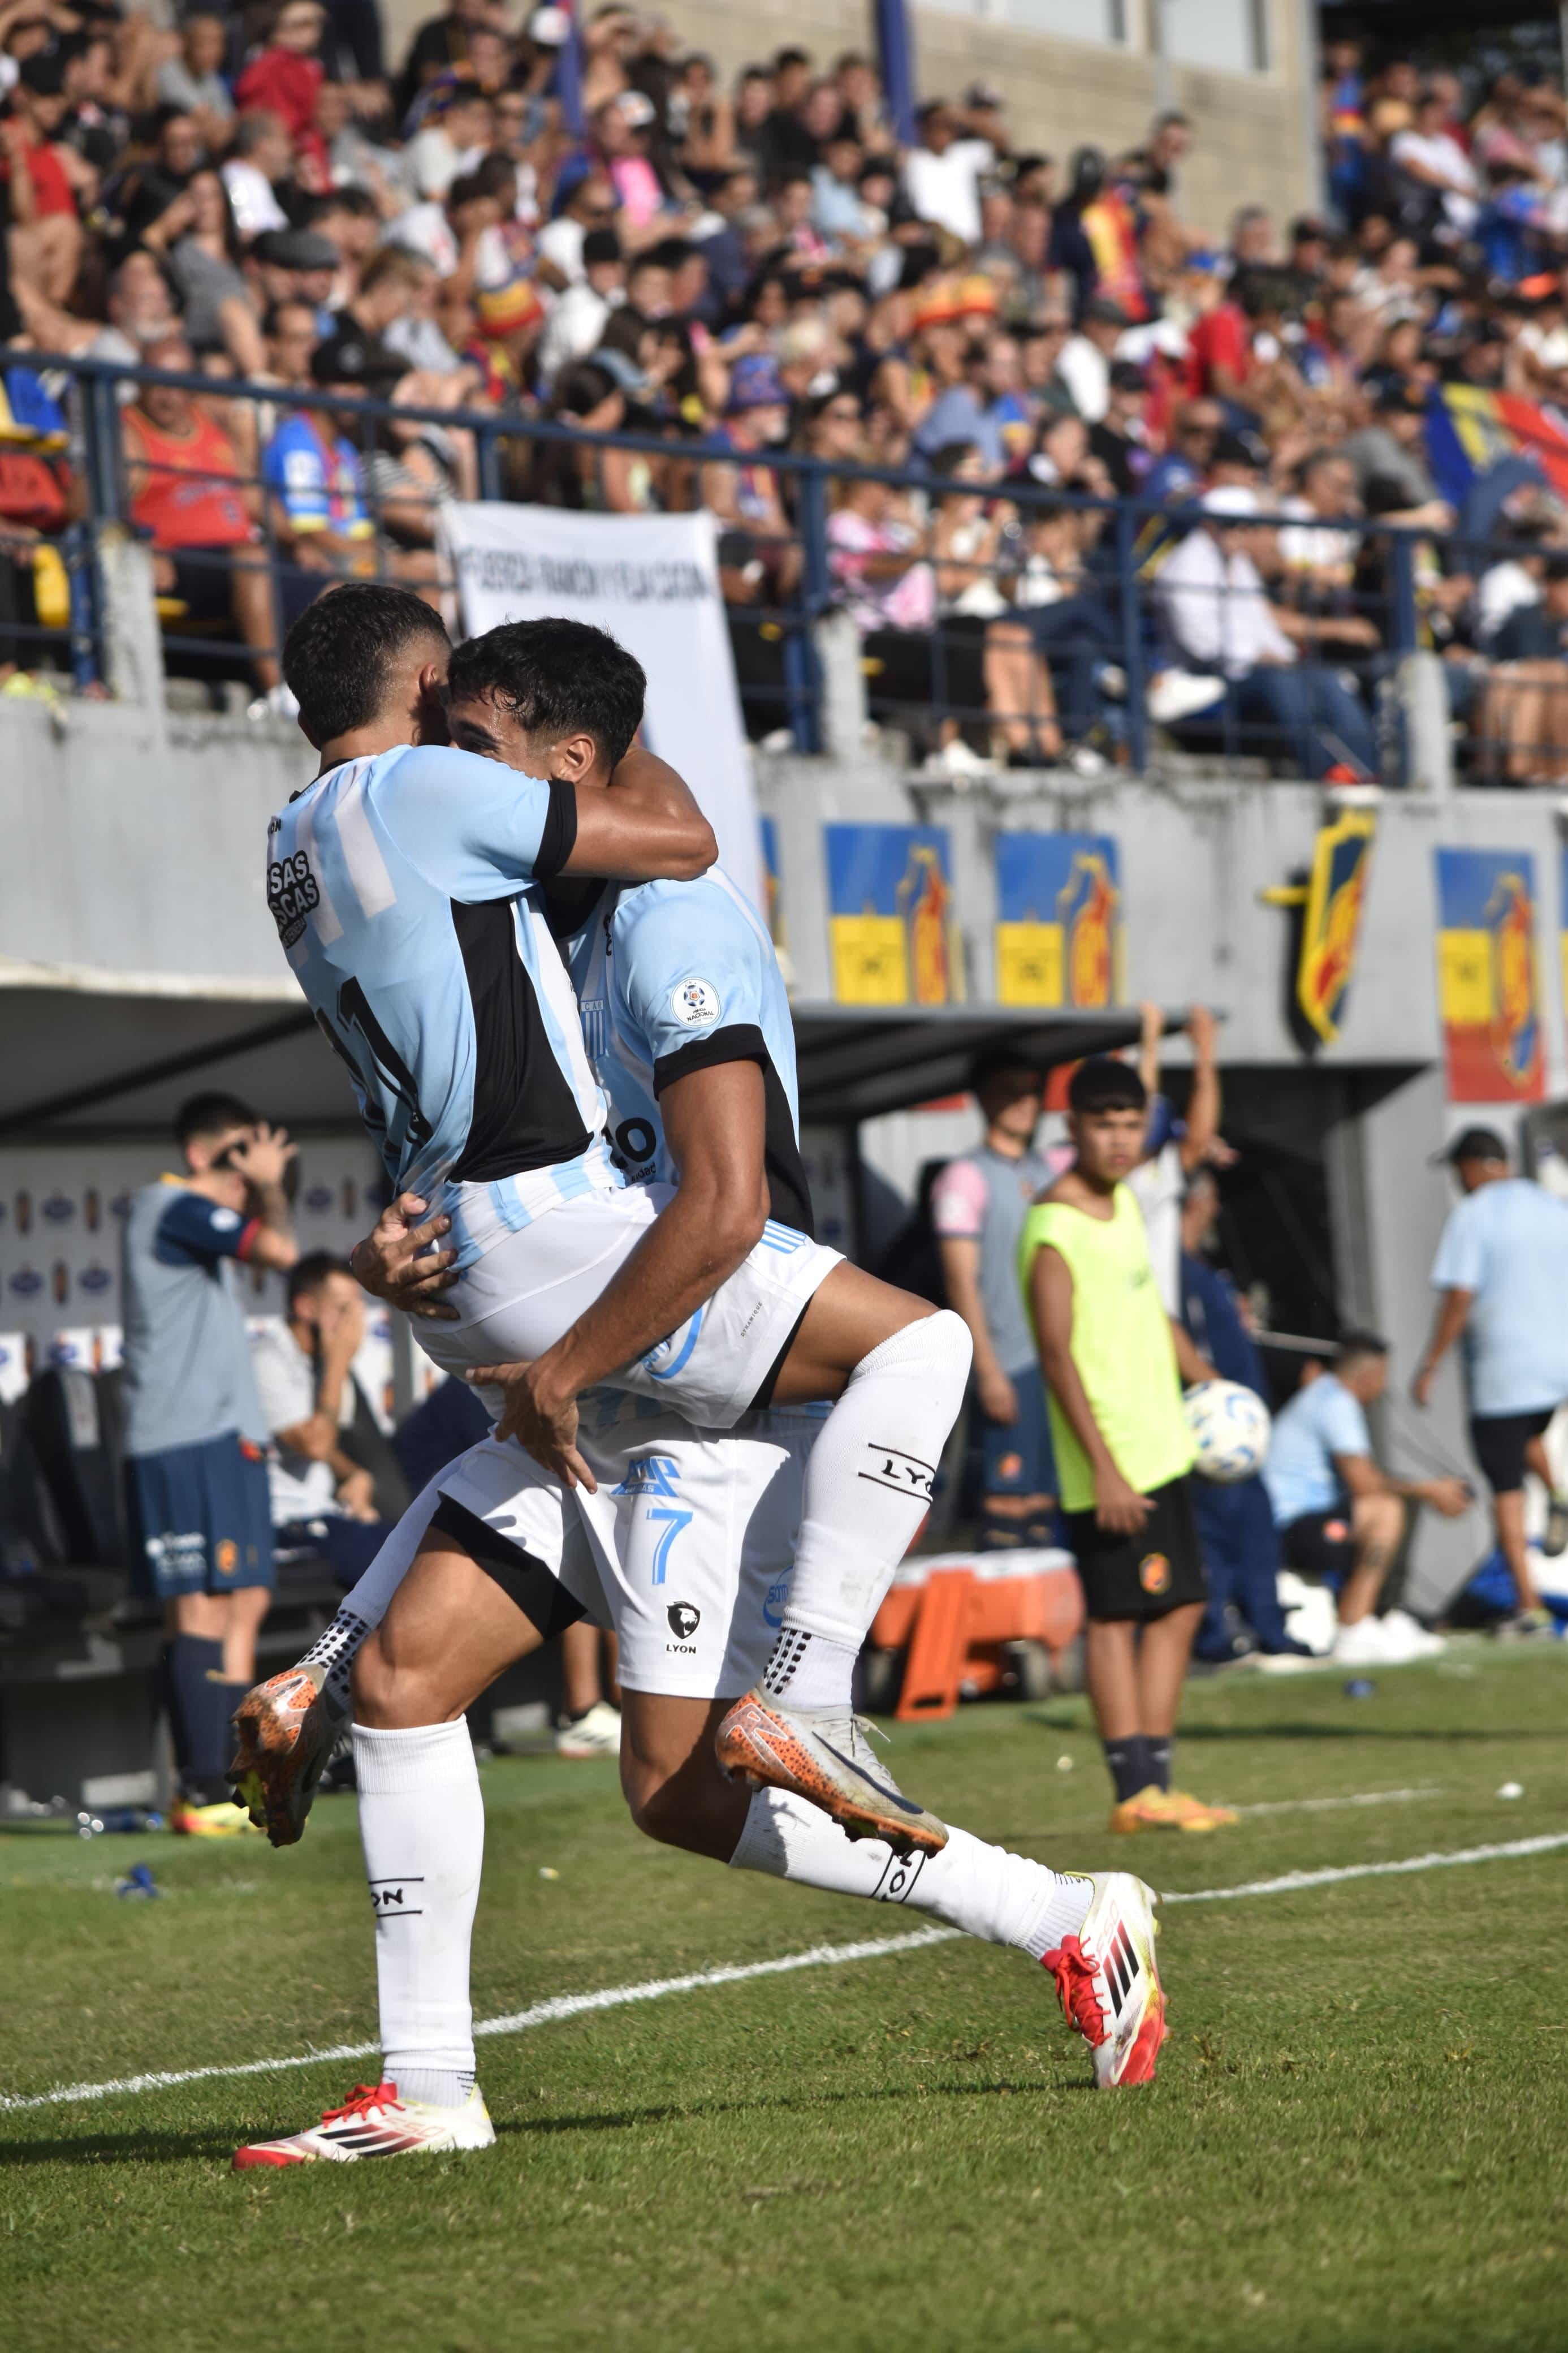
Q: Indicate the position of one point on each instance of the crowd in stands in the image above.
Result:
(732, 273)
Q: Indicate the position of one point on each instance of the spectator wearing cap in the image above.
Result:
(47, 234)
(743, 493)
(978, 1205)
(582, 312)
(1086, 359)
(943, 171)
(1219, 613)
(508, 321)
(257, 160)
(294, 265)
(1501, 1277)
(315, 488)
(285, 78)
(186, 490)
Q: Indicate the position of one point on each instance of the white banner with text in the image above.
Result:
(652, 580)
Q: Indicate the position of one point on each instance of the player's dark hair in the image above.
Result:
(213, 1114)
(1354, 1346)
(995, 1061)
(339, 655)
(313, 1271)
(1102, 1084)
(555, 676)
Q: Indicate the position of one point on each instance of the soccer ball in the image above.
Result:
(1230, 1425)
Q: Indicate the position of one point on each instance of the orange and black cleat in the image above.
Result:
(825, 1756)
(286, 1732)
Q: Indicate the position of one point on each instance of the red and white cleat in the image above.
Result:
(1109, 1983)
(375, 2123)
(284, 1733)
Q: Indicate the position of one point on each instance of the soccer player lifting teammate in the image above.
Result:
(1114, 1361)
(685, 1534)
(406, 886)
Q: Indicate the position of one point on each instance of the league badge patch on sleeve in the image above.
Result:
(695, 1003)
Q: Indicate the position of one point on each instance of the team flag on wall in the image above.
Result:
(1470, 431)
(1489, 976)
(1059, 930)
(1331, 919)
(890, 915)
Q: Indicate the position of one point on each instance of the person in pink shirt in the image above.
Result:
(622, 128)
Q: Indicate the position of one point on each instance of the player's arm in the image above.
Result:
(1360, 1475)
(1117, 1506)
(646, 828)
(714, 1125)
(1203, 1103)
(1191, 1362)
(960, 1256)
(1453, 1315)
(477, 830)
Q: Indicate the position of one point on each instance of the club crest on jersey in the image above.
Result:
(650, 1475)
(695, 1003)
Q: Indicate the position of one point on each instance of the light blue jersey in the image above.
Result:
(673, 977)
(404, 889)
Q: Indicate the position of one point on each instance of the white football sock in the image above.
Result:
(867, 1488)
(984, 1890)
(364, 1605)
(422, 1825)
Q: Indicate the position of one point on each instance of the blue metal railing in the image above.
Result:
(1119, 575)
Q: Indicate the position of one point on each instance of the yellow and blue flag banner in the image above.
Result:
(1059, 936)
(1330, 921)
(1489, 976)
(1470, 431)
(891, 919)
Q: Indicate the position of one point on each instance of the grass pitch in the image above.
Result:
(1358, 2137)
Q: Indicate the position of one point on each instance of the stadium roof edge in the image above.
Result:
(93, 1048)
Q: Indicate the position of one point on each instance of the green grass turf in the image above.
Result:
(1357, 2138)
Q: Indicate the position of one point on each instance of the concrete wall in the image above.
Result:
(137, 848)
(1253, 145)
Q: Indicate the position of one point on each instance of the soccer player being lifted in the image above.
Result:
(407, 884)
(683, 1536)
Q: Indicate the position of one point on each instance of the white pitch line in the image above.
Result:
(815, 1956)
(1293, 1880)
(565, 2005)
(1336, 1805)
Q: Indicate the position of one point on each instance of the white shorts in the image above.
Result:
(686, 1550)
(531, 1286)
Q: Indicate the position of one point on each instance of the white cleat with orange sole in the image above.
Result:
(375, 2123)
(1109, 1981)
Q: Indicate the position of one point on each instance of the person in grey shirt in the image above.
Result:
(978, 1207)
(193, 80)
(196, 1436)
